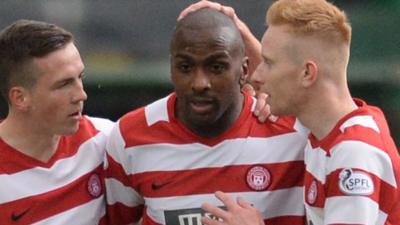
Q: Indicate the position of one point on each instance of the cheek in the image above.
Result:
(229, 84)
(179, 82)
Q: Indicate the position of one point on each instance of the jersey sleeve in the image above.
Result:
(360, 184)
(124, 204)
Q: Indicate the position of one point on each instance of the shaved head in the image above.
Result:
(209, 27)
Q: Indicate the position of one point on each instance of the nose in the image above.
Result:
(200, 81)
(256, 79)
(79, 94)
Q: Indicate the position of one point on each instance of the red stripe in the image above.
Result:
(104, 221)
(209, 180)
(13, 161)
(120, 214)
(320, 198)
(116, 171)
(45, 205)
(286, 220)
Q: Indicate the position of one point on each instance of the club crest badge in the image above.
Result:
(312, 193)
(258, 178)
(355, 182)
(94, 185)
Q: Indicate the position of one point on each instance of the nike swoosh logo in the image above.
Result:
(156, 186)
(16, 217)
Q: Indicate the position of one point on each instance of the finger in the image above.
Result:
(249, 89)
(243, 203)
(264, 113)
(214, 210)
(199, 5)
(229, 11)
(261, 104)
(227, 200)
(273, 118)
(209, 221)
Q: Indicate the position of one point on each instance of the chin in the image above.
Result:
(70, 130)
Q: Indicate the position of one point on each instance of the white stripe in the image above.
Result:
(356, 154)
(116, 146)
(298, 126)
(282, 148)
(117, 192)
(157, 111)
(253, 106)
(315, 162)
(40, 180)
(291, 200)
(351, 209)
(365, 121)
(87, 214)
(101, 124)
(382, 217)
(315, 214)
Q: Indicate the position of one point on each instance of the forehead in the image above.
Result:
(278, 40)
(275, 36)
(64, 61)
(205, 42)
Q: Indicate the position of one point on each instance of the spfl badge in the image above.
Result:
(355, 182)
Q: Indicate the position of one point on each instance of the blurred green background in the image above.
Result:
(124, 45)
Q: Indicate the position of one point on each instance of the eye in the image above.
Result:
(63, 83)
(183, 67)
(218, 68)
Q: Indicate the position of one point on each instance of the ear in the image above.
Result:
(244, 75)
(19, 98)
(310, 74)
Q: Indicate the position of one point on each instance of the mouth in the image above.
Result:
(201, 106)
(76, 115)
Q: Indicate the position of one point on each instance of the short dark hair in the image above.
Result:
(22, 41)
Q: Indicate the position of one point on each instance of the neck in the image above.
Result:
(323, 111)
(23, 137)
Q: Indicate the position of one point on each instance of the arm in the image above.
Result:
(124, 203)
(238, 212)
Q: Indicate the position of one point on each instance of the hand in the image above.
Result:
(199, 5)
(238, 212)
(253, 46)
(262, 109)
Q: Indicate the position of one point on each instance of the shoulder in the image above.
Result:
(100, 124)
(145, 117)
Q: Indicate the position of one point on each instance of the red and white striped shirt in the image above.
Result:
(353, 174)
(68, 189)
(161, 171)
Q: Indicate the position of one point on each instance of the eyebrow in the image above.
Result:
(69, 78)
(216, 55)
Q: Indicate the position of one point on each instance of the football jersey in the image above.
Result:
(352, 175)
(68, 189)
(160, 171)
